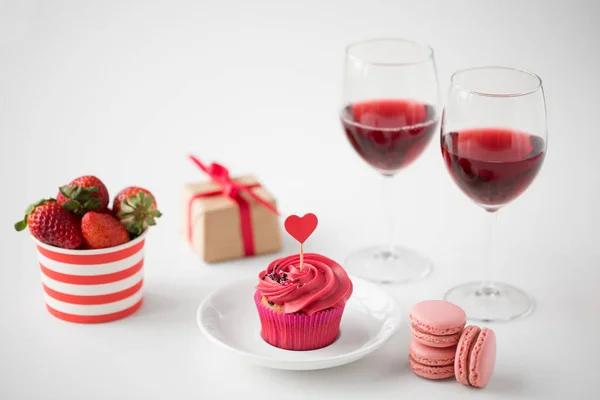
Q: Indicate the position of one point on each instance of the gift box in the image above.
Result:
(227, 218)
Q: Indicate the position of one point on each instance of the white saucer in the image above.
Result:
(228, 317)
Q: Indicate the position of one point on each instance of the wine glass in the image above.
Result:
(390, 113)
(493, 140)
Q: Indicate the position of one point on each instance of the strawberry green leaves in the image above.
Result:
(137, 213)
(80, 199)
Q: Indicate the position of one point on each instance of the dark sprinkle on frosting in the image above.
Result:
(277, 276)
(271, 303)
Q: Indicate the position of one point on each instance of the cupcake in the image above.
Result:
(301, 308)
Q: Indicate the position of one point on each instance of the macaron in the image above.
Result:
(475, 356)
(432, 356)
(437, 323)
(429, 371)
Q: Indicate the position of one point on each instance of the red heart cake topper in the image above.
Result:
(301, 228)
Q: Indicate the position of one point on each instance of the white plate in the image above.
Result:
(228, 317)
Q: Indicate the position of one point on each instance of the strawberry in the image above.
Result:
(102, 230)
(52, 224)
(135, 207)
(83, 194)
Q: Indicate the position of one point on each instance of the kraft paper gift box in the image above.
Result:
(220, 226)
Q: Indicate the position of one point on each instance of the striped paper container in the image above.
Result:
(93, 286)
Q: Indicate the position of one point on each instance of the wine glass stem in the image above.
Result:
(388, 212)
(487, 285)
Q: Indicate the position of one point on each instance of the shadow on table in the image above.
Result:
(169, 302)
(505, 385)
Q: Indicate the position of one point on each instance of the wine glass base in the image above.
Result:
(384, 265)
(493, 302)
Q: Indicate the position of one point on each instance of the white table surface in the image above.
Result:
(124, 91)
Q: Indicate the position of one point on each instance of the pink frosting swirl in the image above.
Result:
(321, 284)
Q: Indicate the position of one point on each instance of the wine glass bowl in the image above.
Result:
(493, 166)
(493, 141)
(389, 134)
(389, 115)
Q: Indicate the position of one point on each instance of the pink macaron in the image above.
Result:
(432, 356)
(475, 356)
(437, 323)
(429, 371)
(431, 362)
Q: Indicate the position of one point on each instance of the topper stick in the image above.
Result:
(301, 257)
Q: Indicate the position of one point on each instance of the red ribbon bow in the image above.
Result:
(232, 189)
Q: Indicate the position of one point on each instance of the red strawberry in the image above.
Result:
(51, 224)
(83, 194)
(127, 193)
(102, 230)
(135, 207)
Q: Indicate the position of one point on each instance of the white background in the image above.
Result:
(126, 89)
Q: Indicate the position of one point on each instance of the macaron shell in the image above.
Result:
(482, 358)
(432, 356)
(429, 372)
(438, 317)
(463, 350)
(434, 340)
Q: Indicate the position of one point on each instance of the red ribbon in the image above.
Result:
(232, 189)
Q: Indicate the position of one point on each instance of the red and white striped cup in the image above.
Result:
(93, 286)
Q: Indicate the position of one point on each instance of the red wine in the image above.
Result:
(389, 134)
(493, 166)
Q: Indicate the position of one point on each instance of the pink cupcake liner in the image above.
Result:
(298, 331)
